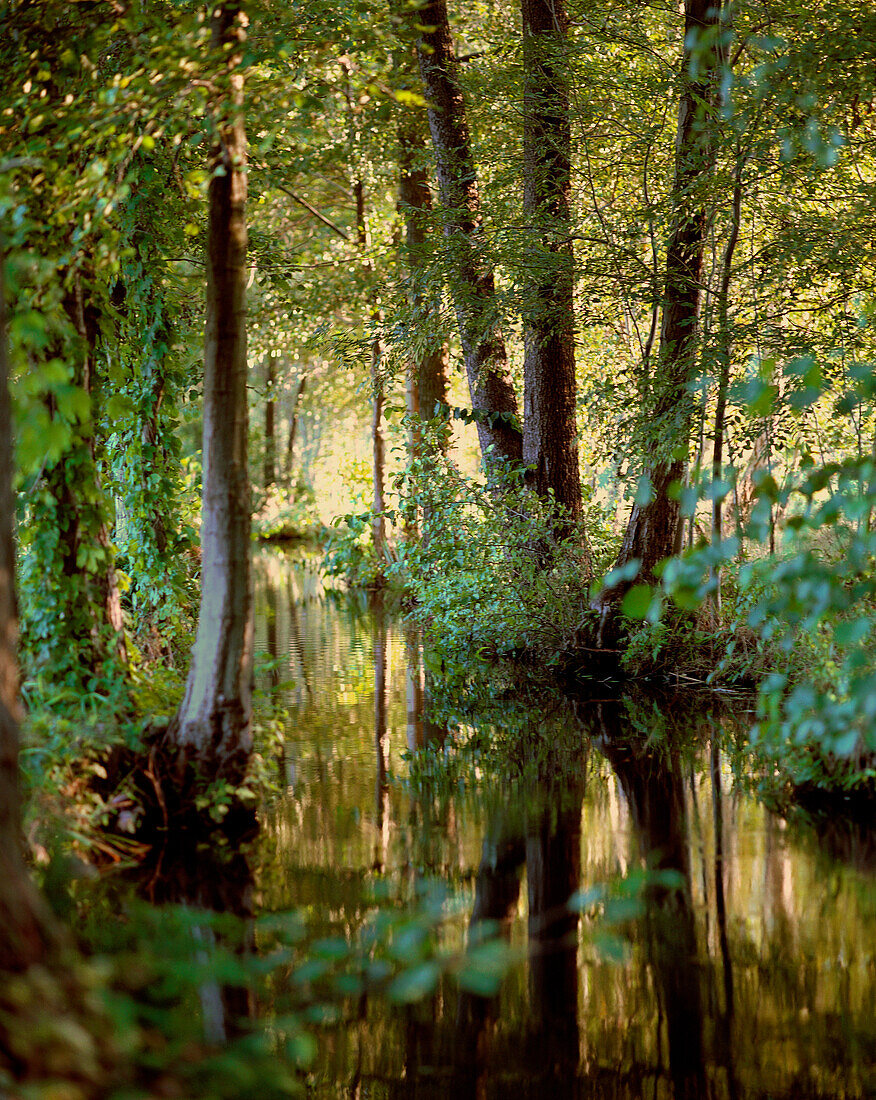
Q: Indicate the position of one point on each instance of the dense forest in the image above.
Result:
(549, 329)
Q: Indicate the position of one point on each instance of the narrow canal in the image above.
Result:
(714, 951)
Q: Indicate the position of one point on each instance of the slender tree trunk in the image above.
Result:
(724, 349)
(550, 441)
(378, 396)
(293, 427)
(25, 929)
(651, 531)
(270, 463)
(213, 726)
(473, 286)
(378, 453)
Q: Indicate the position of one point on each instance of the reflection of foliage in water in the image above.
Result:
(511, 768)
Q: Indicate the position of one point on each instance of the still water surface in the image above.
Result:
(755, 980)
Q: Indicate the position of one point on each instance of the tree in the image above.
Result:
(550, 446)
(213, 726)
(429, 370)
(270, 464)
(472, 283)
(652, 529)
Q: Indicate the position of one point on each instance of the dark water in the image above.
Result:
(748, 971)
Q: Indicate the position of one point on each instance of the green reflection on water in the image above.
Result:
(752, 977)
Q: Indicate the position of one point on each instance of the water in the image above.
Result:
(756, 979)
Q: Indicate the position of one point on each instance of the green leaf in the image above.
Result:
(637, 602)
(851, 633)
(415, 984)
(644, 491)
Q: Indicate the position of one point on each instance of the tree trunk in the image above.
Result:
(651, 531)
(293, 427)
(415, 199)
(213, 726)
(724, 350)
(378, 444)
(270, 464)
(427, 379)
(378, 454)
(25, 929)
(472, 287)
(550, 442)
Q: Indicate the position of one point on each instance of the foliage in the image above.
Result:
(810, 608)
(490, 576)
(287, 514)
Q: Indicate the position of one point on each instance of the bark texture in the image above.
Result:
(25, 933)
(213, 727)
(550, 444)
(651, 531)
(472, 283)
(429, 374)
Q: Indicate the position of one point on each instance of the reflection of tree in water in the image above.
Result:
(553, 875)
(674, 1018)
(210, 877)
(380, 642)
(653, 784)
(541, 1051)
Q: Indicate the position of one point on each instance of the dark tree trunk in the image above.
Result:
(213, 726)
(378, 454)
(270, 463)
(415, 199)
(472, 286)
(550, 441)
(293, 427)
(25, 930)
(427, 378)
(651, 532)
